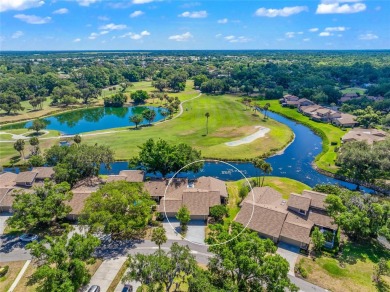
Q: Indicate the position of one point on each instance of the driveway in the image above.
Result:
(195, 233)
(106, 273)
(290, 253)
(3, 218)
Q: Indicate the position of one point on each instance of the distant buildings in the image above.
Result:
(369, 135)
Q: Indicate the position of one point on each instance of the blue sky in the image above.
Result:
(216, 24)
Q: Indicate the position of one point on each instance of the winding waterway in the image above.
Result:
(295, 162)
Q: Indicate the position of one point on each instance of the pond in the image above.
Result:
(92, 119)
(295, 162)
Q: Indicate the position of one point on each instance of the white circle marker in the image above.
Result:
(203, 160)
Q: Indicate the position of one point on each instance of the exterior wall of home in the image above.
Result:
(296, 210)
(274, 239)
(6, 209)
(293, 242)
(199, 217)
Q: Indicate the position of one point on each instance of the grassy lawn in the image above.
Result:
(9, 278)
(351, 272)
(359, 90)
(285, 186)
(228, 121)
(326, 159)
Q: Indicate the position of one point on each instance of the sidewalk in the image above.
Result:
(20, 275)
(107, 272)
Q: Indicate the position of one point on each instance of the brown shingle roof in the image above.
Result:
(297, 228)
(347, 119)
(211, 184)
(9, 197)
(266, 220)
(265, 195)
(26, 177)
(112, 178)
(7, 179)
(171, 206)
(317, 199)
(197, 201)
(301, 202)
(43, 172)
(321, 219)
(156, 187)
(3, 195)
(80, 194)
(133, 175)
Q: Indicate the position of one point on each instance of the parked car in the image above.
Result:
(28, 237)
(94, 288)
(127, 288)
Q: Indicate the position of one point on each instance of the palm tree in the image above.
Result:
(267, 169)
(136, 119)
(207, 115)
(258, 163)
(159, 237)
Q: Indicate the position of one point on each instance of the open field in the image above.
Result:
(228, 121)
(9, 278)
(329, 133)
(354, 90)
(351, 272)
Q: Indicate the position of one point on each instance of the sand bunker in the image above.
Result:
(248, 139)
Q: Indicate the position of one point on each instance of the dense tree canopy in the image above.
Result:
(160, 156)
(62, 262)
(120, 209)
(42, 207)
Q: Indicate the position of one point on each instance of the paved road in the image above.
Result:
(13, 250)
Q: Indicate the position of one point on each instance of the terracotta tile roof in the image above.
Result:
(301, 202)
(197, 201)
(43, 172)
(26, 177)
(112, 178)
(321, 219)
(317, 199)
(7, 179)
(267, 220)
(133, 175)
(156, 187)
(211, 184)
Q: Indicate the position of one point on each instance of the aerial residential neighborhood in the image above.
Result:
(194, 146)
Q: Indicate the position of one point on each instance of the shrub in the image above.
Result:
(4, 271)
(333, 143)
(302, 271)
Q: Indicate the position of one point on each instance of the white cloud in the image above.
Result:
(6, 5)
(136, 13)
(340, 7)
(17, 34)
(368, 37)
(218, 35)
(194, 14)
(86, 3)
(325, 34)
(181, 37)
(337, 28)
(33, 19)
(234, 39)
(290, 34)
(136, 36)
(314, 29)
(306, 40)
(142, 1)
(61, 11)
(286, 11)
(77, 40)
(104, 32)
(113, 26)
(93, 36)
(223, 21)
